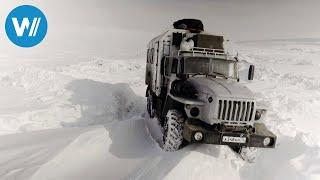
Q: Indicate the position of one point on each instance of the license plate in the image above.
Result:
(232, 139)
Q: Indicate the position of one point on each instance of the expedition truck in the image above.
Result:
(193, 90)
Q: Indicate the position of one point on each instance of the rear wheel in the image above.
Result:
(173, 131)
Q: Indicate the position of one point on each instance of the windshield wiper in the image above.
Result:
(199, 74)
(213, 73)
(220, 74)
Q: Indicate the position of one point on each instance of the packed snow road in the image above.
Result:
(87, 120)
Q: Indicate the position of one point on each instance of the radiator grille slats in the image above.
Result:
(240, 111)
(231, 110)
(235, 111)
(248, 111)
(234, 116)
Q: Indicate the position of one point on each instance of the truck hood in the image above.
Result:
(221, 88)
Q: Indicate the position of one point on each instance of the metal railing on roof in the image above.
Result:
(204, 51)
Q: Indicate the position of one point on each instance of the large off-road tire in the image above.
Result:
(150, 107)
(173, 131)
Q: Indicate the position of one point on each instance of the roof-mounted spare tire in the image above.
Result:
(193, 25)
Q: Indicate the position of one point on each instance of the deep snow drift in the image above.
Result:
(87, 120)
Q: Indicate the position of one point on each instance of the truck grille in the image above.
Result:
(236, 111)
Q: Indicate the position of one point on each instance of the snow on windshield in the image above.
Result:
(209, 66)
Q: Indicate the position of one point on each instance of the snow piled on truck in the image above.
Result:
(87, 120)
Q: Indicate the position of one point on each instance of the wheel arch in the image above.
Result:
(171, 103)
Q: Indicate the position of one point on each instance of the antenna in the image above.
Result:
(237, 56)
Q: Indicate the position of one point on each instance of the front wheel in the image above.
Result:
(150, 107)
(173, 131)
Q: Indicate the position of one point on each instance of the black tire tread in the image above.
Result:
(173, 133)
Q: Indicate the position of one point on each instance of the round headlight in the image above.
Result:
(266, 141)
(198, 136)
(194, 111)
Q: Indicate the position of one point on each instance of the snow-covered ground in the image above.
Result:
(86, 119)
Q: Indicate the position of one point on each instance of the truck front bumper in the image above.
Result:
(261, 138)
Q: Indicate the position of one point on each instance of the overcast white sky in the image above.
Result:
(240, 19)
(140, 20)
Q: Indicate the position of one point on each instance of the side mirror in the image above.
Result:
(251, 73)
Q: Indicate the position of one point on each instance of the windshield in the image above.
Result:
(196, 65)
(207, 66)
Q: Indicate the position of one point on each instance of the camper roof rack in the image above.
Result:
(205, 52)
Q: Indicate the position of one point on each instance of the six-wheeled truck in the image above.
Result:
(193, 90)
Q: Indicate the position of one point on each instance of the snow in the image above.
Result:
(79, 117)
